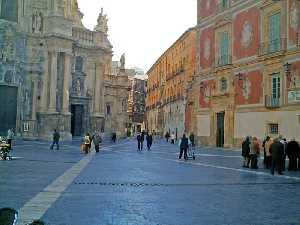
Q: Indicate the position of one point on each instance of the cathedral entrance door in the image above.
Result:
(8, 108)
(77, 120)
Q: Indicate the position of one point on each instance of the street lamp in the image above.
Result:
(287, 68)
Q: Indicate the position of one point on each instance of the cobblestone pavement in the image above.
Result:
(120, 186)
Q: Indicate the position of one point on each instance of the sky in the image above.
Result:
(142, 29)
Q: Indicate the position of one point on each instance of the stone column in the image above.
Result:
(67, 77)
(53, 84)
(97, 103)
(44, 99)
(34, 99)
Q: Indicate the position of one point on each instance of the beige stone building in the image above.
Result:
(55, 73)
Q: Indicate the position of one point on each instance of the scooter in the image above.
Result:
(4, 149)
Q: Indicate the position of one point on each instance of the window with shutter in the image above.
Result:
(274, 32)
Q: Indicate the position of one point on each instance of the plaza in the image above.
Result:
(120, 186)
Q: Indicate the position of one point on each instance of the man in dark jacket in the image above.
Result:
(56, 137)
(277, 151)
(292, 151)
(149, 140)
(184, 144)
(140, 140)
(246, 152)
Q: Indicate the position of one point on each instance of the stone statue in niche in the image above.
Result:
(247, 34)
(294, 16)
(102, 23)
(122, 62)
(37, 23)
(8, 77)
(78, 87)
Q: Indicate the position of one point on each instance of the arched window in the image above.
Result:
(9, 10)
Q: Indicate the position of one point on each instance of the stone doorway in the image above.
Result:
(220, 129)
(8, 109)
(77, 117)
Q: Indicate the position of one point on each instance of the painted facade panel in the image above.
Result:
(246, 30)
(208, 8)
(207, 46)
(206, 91)
(293, 27)
(249, 89)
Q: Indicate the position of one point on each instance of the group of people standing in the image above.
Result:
(96, 139)
(275, 153)
(141, 138)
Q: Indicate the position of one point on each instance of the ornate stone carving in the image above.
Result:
(122, 61)
(37, 23)
(102, 23)
(247, 34)
(295, 79)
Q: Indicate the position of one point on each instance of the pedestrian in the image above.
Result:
(292, 150)
(173, 138)
(10, 137)
(192, 139)
(149, 139)
(56, 137)
(183, 144)
(167, 136)
(246, 152)
(139, 138)
(97, 140)
(284, 142)
(268, 159)
(277, 151)
(254, 152)
(87, 142)
(114, 137)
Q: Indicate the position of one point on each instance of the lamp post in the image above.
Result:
(287, 68)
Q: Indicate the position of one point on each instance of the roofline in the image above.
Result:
(181, 37)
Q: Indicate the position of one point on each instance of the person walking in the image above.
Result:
(254, 152)
(268, 159)
(87, 143)
(139, 140)
(277, 151)
(97, 140)
(284, 142)
(114, 137)
(192, 139)
(167, 136)
(10, 137)
(173, 138)
(184, 144)
(56, 137)
(149, 139)
(292, 150)
(246, 152)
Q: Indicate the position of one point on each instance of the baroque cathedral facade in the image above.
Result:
(56, 74)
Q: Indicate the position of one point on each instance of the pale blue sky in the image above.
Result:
(143, 29)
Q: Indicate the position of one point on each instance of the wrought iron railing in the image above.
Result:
(276, 45)
(271, 102)
(224, 60)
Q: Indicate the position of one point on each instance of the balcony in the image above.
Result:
(224, 60)
(272, 103)
(83, 36)
(224, 5)
(274, 46)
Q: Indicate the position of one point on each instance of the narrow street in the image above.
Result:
(120, 186)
